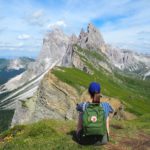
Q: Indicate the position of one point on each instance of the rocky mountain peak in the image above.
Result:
(54, 48)
(91, 28)
(55, 44)
(91, 39)
(55, 34)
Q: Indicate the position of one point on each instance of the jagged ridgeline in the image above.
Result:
(58, 80)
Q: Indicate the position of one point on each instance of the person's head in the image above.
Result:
(94, 91)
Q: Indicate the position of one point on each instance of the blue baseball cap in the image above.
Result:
(94, 88)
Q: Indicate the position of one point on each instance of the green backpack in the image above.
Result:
(94, 121)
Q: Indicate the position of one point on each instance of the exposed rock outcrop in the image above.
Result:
(54, 99)
(57, 98)
(54, 48)
(24, 111)
(92, 39)
(67, 59)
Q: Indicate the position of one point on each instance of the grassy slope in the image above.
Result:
(47, 134)
(56, 134)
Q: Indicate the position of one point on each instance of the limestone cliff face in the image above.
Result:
(91, 39)
(54, 48)
(67, 59)
(54, 99)
(55, 44)
(122, 59)
(129, 61)
(72, 59)
(24, 111)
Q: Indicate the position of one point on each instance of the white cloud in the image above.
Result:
(24, 37)
(59, 23)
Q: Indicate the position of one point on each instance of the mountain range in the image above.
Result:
(57, 80)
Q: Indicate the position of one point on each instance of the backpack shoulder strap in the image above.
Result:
(84, 106)
(101, 106)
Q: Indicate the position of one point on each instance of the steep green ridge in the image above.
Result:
(134, 93)
(90, 54)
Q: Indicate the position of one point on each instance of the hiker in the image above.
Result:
(88, 113)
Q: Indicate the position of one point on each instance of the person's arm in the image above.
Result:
(109, 110)
(107, 125)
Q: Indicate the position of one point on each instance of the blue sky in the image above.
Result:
(23, 23)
